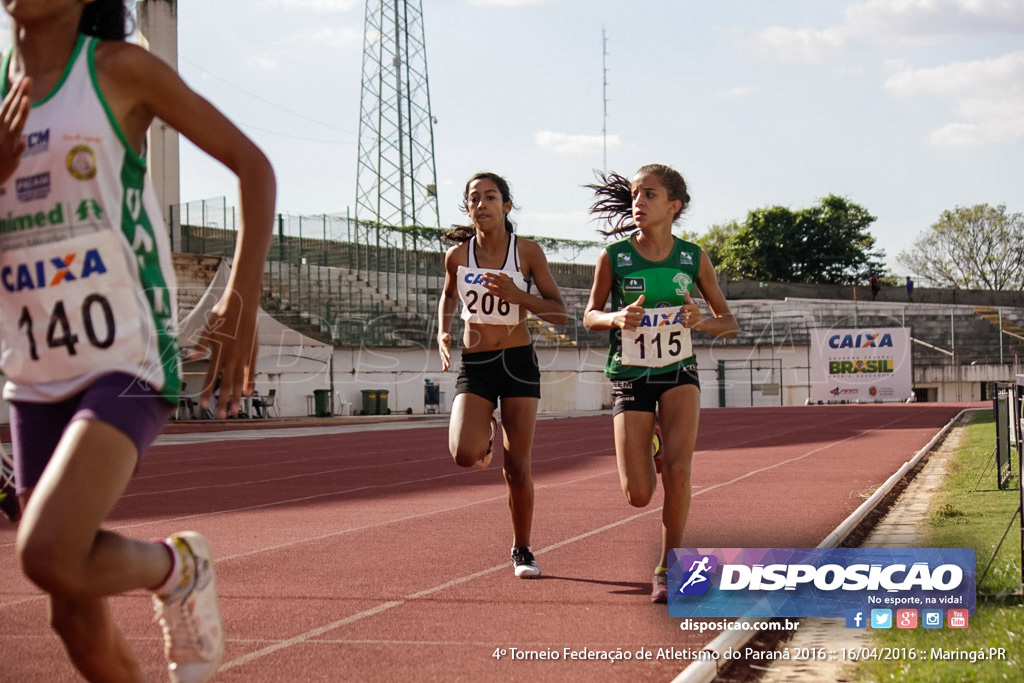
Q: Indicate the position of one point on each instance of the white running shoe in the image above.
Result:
(523, 562)
(193, 633)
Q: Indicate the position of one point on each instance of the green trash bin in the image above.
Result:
(382, 402)
(322, 402)
(369, 401)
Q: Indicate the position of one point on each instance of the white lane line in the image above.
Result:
(305, 637)
(384, 607)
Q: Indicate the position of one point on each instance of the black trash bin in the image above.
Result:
(369, 401)
(382, 402)
(322, 402)
(431, 397)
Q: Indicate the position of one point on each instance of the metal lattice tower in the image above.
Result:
(396, 181)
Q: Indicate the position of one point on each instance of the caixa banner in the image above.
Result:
(817, 582)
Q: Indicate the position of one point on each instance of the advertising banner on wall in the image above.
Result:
(861, 364)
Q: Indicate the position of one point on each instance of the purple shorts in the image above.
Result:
(120, 400)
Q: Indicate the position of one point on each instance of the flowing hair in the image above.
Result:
(106, 20)
(614, 197)
(461, 233)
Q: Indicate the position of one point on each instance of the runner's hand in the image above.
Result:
(444, 344)
(630, 317)
(13, 114)
(230, 340)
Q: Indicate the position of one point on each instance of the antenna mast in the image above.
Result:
(396, 178)
(604, 95)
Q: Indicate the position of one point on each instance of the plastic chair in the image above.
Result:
(270, 403)
(186, 409)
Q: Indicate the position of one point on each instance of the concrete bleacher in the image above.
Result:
(194, 273)
(351, 307)
(943, 328)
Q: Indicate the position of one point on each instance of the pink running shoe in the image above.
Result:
(190, 617)
(659, 588)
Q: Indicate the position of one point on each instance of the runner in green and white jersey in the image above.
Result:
(651, 362)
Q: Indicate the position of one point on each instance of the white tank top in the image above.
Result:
(478, 304)
(87, 286)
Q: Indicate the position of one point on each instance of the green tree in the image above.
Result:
(977, 247)
(824, 244)
(717, 241)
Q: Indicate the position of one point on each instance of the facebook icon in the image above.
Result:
(855, 618)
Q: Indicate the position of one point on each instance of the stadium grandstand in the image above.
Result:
(371, 292)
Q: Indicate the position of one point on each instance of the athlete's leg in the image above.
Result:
(62, 549)
(95, 645)
(469, 431)
(634, 430)
(518, 424)
(680, 414)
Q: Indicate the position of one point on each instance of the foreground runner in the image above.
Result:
(653, 369)
(89, 347)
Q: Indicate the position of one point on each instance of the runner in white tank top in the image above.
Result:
(490, 271)
(83, 250)
(87, 307)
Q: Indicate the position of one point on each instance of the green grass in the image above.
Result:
(969, 512)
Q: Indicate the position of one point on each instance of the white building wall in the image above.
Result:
(572, 379)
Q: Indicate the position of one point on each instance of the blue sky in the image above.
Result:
(906, 107)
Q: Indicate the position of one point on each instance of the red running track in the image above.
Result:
(366, 555)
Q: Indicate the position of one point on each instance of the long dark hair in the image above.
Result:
(461, 233)
(106, 20)
(614, 197)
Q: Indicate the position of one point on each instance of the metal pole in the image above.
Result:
(956, 363)
(1000, 336)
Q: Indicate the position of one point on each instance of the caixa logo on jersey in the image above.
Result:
(52, 272)
(817, 582)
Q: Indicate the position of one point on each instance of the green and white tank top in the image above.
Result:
(661, 343)
(87, 286)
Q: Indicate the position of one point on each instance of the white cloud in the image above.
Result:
(911, 20)
(566, 143)
(935, 18)
(988, 75)
(989, 97)
(319, 6)
(800, 44)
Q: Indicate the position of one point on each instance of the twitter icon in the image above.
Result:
(881, 618)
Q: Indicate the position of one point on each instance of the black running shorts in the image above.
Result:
(642, 393)
(498, 374)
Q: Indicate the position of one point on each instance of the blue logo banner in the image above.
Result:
(818, 582)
